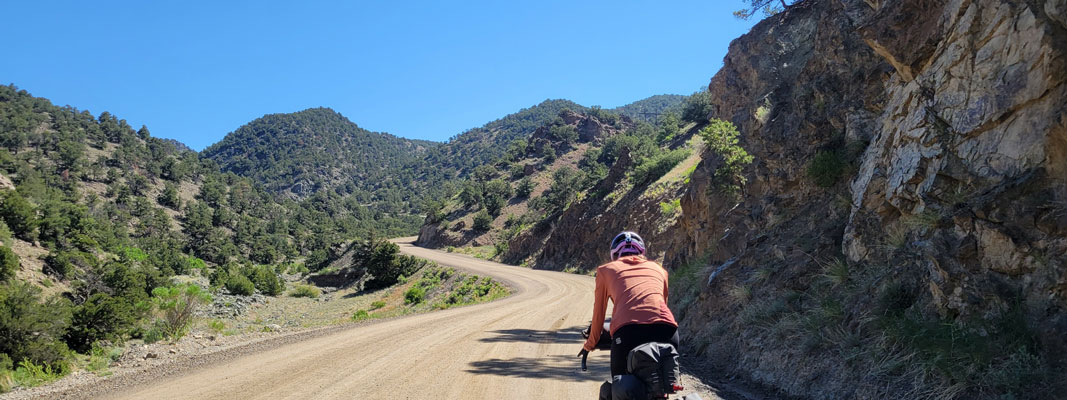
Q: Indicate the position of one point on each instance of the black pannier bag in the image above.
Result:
(655, 364)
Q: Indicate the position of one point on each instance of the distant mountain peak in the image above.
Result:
(299, 153)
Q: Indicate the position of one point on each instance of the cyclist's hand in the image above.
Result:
(583, 354)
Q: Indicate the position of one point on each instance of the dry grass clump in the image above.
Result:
(835, 271)
(739, 294)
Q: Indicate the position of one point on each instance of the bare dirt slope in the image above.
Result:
(521, 347)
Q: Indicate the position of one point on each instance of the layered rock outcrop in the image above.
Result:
(956, 197)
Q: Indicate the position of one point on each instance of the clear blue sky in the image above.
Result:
(194, 71)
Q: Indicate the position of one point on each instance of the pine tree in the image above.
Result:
(19, 215)
(9, 263)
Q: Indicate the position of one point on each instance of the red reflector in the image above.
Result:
(677, 387)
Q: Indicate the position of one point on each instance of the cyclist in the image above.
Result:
(638, 288)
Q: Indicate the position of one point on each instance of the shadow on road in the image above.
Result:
(556, 367)
(563, 335)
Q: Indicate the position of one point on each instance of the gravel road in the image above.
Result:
(520, 347)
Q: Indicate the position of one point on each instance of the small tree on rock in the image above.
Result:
(768, 7)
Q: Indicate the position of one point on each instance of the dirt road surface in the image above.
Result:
(520, 347)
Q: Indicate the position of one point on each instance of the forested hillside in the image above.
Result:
(95, 216)
(302, 153)
(98, 219)
(482, 145)
(315, 150)
(506, 209)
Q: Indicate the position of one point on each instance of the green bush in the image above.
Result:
(195, 264)
(517, 149)
(482, 221)
(722, 138)
(360, 315)
(500, 247)
(563, 133)
(62, 264)
(100, 358)
(154, 333)
(126, 281)
(566, 183)
(169, 197)
(19, 215)
(495, 196)
(434, 211)
(266, 280)
(377, 304)
(827, 168)
(414, 295)
(516, 171)
(32, 330)
(216, 326)
(239, 285)
(102, 317)
(5, 363)
(526, 186)
(652, 168)
(297, 269)
(317, 259)
(5, 234)
(637, 144)
(471, 289)
(177, 306)
(383, 262)
(669, 208)
(7, 378)
(697, 107)
(305, 291)
(31, 374)
(548, 152)
(470, 194)
(9, 263)
(667, 127)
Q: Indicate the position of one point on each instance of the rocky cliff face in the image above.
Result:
(931, 258)
(973, 133)
(948, 121)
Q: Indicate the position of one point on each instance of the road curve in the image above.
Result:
(520, 347)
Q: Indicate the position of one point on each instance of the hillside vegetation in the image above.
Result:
(481, 145)
(97, 217)
(99, 221)
(867, 196)
(318, 150)
(565, 161)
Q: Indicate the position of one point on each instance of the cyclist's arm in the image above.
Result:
(600, 305)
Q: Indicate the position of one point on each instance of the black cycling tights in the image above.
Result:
(630, 336)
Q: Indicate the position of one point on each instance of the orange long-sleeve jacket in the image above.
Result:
(637, 287)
